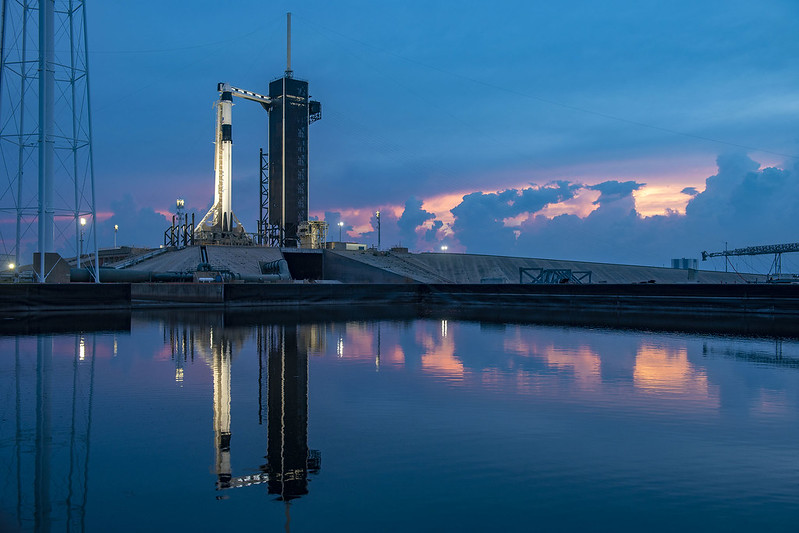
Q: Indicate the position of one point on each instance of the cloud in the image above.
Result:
(333, 218)
(139, 226)
(741, 204)
(611, 191)
(480, 217)
(431, 235)
(412, 217)
(690, 191)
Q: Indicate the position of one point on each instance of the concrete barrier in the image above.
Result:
(181, 293)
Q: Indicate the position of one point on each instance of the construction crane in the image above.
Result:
(776, 249)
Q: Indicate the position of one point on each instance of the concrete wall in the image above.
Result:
(29, 297)
(346, 268)
(178, 292)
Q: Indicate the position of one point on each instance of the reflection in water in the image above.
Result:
(288, 458)
(633, 424)
(285, 351)
(664, 370)
(48, 450)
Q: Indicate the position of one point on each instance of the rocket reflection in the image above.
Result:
(283, 354)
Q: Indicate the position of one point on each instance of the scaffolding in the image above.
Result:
(45, 133)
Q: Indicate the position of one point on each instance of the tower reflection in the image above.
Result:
(282, 352)
(288, 458)
(47, 444)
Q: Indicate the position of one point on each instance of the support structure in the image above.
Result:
(768, 249)
(284, 173)
(268, 234)
(45, 133)
(290, 113)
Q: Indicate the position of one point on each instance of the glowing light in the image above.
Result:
(82, 350)
(178, 375)
(443, 328)
(340, 347)
(444, 248)
(11, 266)
(82, 221)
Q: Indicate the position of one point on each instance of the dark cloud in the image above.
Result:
(479, 218)
(741, 204)
(690, 191)
(333, 233)
(611, 191)
(138, 226)
(431, 235)
(412, 217)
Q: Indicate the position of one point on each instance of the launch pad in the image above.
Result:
(284, 187)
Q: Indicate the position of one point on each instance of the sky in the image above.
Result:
(618, 131)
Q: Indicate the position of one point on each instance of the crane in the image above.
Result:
(776, 249)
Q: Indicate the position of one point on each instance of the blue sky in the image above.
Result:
(425, 103)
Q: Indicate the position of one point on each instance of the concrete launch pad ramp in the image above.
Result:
(467, 268)
(238, 259)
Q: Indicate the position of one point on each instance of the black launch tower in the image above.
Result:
(290, 114)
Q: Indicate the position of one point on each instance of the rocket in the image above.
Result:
(220, 222)
(223, 161)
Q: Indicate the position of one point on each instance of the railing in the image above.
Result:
(552, 276)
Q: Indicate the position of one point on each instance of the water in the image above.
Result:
(204, 421)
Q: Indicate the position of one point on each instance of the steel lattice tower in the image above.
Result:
(46, 158)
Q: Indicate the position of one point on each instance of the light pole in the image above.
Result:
(82, 229)
(340, 225)
(116, 228)
(378, 229)
(180, 203)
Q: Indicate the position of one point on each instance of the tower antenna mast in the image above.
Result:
(289, 72)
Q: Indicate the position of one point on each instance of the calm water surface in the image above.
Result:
(205, 422)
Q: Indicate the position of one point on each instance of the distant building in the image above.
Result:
(348, 246)
(685, 264)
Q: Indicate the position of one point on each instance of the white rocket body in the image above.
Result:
(223, 163)
(220, 219)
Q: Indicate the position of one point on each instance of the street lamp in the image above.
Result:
(378, 229)
(116, 228)
(444, 248)
(82, 228)
(340, 225)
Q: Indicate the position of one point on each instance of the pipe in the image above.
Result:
(112, 275)
(280, 267)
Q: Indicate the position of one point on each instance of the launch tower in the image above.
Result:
(284, 170)
(289, 117)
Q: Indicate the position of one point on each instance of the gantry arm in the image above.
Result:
(247, 95)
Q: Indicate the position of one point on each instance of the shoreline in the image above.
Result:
(756, 309)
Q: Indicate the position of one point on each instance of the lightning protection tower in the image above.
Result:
(290, 113)
(47, 192)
